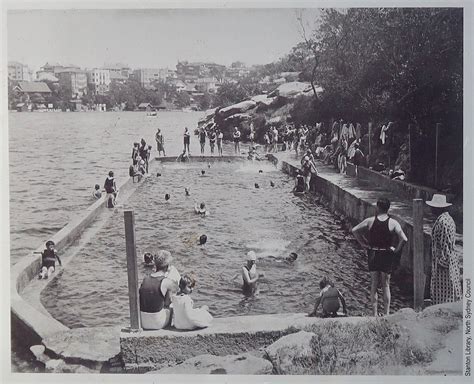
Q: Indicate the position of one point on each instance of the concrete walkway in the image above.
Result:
(369, 192)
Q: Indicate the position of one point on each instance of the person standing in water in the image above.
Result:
(160, 142)
(212, 140)
(187, 138)
(249, 274)
(375, 234)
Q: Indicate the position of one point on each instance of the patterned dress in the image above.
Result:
(446, 277)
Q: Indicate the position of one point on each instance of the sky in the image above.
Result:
(152, 38)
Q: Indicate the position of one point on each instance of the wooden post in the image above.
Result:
(409, 146)
(132, 270)
(438, 126)
(418, 255)
(370, 138)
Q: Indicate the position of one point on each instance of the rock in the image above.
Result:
(237, 108)
(293, 89)
(263, 99)
(237, 118)
(38, 351)
(291, 353)
(55, 365)
(243, 364)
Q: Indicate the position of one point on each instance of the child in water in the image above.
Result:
(48, 260)
(97, 193)
(201, 209)
(329, 298)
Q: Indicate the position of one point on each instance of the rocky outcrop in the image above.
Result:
(237, 108)
(292, 89)
(292, 351)
(243, 364)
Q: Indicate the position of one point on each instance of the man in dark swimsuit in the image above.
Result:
(375, 234)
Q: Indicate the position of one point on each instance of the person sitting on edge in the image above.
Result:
(97, 193)
(155, 294)
(201, 209)
(142, 167)
(111, 190)
(299, 183)
(48, 260)
(135, 148)
(185, 316)
(183, 157)
(329, 298)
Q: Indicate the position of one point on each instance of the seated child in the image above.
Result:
(97, 193)
(48, 260)
(329, 298)
(184, 315)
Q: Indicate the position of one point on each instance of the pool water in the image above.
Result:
(92, 290)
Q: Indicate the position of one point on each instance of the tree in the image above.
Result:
(183, 100)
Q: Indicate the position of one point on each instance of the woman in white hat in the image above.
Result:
(250, 274)
(445, 271)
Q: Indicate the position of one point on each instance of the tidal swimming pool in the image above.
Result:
(92, 290)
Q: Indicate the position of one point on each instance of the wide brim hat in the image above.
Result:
(162, 259)
(438, 201)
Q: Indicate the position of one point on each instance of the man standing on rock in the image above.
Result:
(375, 234)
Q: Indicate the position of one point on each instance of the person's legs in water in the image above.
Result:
(43, 273)
(50, 271)
(202, 148)
(386, 292)
(374, 283)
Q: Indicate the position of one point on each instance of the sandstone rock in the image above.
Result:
(55, 366)
(292, 353)
(237, 108)
(243, 364)
(38, 351)
(263, 99)
(293, 89)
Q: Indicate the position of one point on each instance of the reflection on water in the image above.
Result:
(270, 220)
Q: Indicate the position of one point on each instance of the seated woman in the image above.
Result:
(155, 294)
(184, 315)
(299, 183)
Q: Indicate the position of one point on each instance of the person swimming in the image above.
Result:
(201, 209)
(257, 186)
(203, 172)
(148, 259)
(97, 193)
(186, 191)
(167, 196)
(202, 239)
(272, 184)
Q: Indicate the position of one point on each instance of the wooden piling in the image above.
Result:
(418, 255)
(132, 270)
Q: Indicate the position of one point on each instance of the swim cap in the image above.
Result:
(49, 242)
(202, 239)
(111, 174)
(251, 256)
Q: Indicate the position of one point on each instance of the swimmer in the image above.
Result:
(272, 184)
(208, 165)
(329, 298)
(158, 174)
(97, 193)
(249, 273)
(202, 239)
(201, 209)
(167, 196)
(290, 259)
(260, 171)
(148, 259)
(203, 172)
(257, 186)
(186, 191)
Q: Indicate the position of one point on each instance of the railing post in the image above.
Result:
(418, 255)
(132, 270)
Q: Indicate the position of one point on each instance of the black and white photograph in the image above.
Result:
(235, 188)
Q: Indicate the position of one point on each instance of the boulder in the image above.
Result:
(38, 351)
(292, 354)
(237, 108)
(238, 117)
(55, 365)
(243, 364)
(263, 100)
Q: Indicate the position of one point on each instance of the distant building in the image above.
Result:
(117, 78)
(74, 80)
(147, 76)
(192, 71)
(99, 81)
(119, 69)
(32, 87)
(145, 107)
(207, 84)
(19, 72)
(46, 76)
(237, 70)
